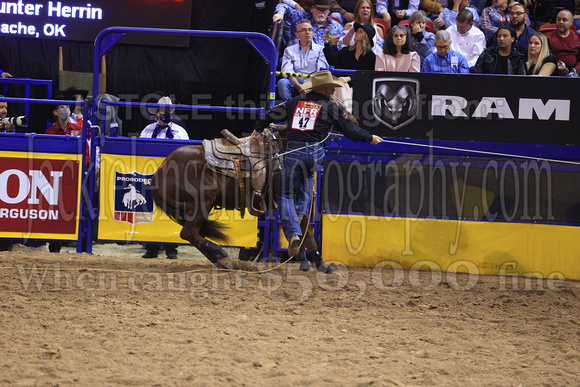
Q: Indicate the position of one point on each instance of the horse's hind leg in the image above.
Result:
(215, 253)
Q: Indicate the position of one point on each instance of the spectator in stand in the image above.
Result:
(336, 9)
(364, 13)
(448, 16)
(479, 5)
(540, 12)
(564, 43)
(306, 57)
(163, 128)
(318, 17)
(576, 9)
(494, 17)
(393, 11)
(445, 60)
(5, 74)
(540, 61)
(466, 39)
(502, 59)
(432, 8)
(422, 41)
(398, 54)
(359, 56)
(518, 16)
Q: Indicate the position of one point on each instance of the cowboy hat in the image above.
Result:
(162, 101)
(370, 30)
(323, 4)
(72, 91)
(322, 79)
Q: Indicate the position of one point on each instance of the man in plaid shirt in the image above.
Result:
(445, 60)
(318, 17)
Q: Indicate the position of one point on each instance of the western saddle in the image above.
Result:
(247, 159)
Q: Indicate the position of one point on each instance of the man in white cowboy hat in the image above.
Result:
(165, 127)
(309, 118)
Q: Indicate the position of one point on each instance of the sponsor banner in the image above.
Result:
(127, 211)
(530, 250)
(467, 107)
(39, 195)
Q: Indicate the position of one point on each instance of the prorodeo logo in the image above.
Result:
(395, 101)
(133, 198)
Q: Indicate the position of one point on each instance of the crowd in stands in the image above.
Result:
(445, 36)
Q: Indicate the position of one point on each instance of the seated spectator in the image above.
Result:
(318, 17)
(502, 59)
(432, 8)
(360, 56)
(165, 127)
(540, 12)
(445, 60)
(4, 74)
(393, 11)
(357, 57)
(306, 57)
(336, 9)
(576, 21)
(494, 17)
(398, 54)
(448, 17)
(564, 44)
(518, 16)
(466, 39)
(540, 61)
(479, 5)
(422, 41)
(364, 14)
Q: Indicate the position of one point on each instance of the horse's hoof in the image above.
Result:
(324, 268)
(225, 263)
(305, 265)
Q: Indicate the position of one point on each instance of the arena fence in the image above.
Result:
(453, 205)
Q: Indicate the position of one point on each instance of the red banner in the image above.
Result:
(39, 195)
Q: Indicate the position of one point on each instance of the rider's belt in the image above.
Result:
(295, 144)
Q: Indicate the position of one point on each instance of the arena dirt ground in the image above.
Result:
(115, 319)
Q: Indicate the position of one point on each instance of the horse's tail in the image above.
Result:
(172, 212)
(209, 229)
(214, 230)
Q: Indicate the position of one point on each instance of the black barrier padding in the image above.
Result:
(415, 185)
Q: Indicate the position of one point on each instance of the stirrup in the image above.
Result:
(257, 200)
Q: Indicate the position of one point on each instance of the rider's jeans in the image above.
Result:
(297, 176)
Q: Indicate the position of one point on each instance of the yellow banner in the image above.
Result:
(127, 212)
(534, 250)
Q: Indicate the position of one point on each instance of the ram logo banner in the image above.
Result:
(395, 101)
(133, 198)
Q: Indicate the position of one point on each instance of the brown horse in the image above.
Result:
(186, 187)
